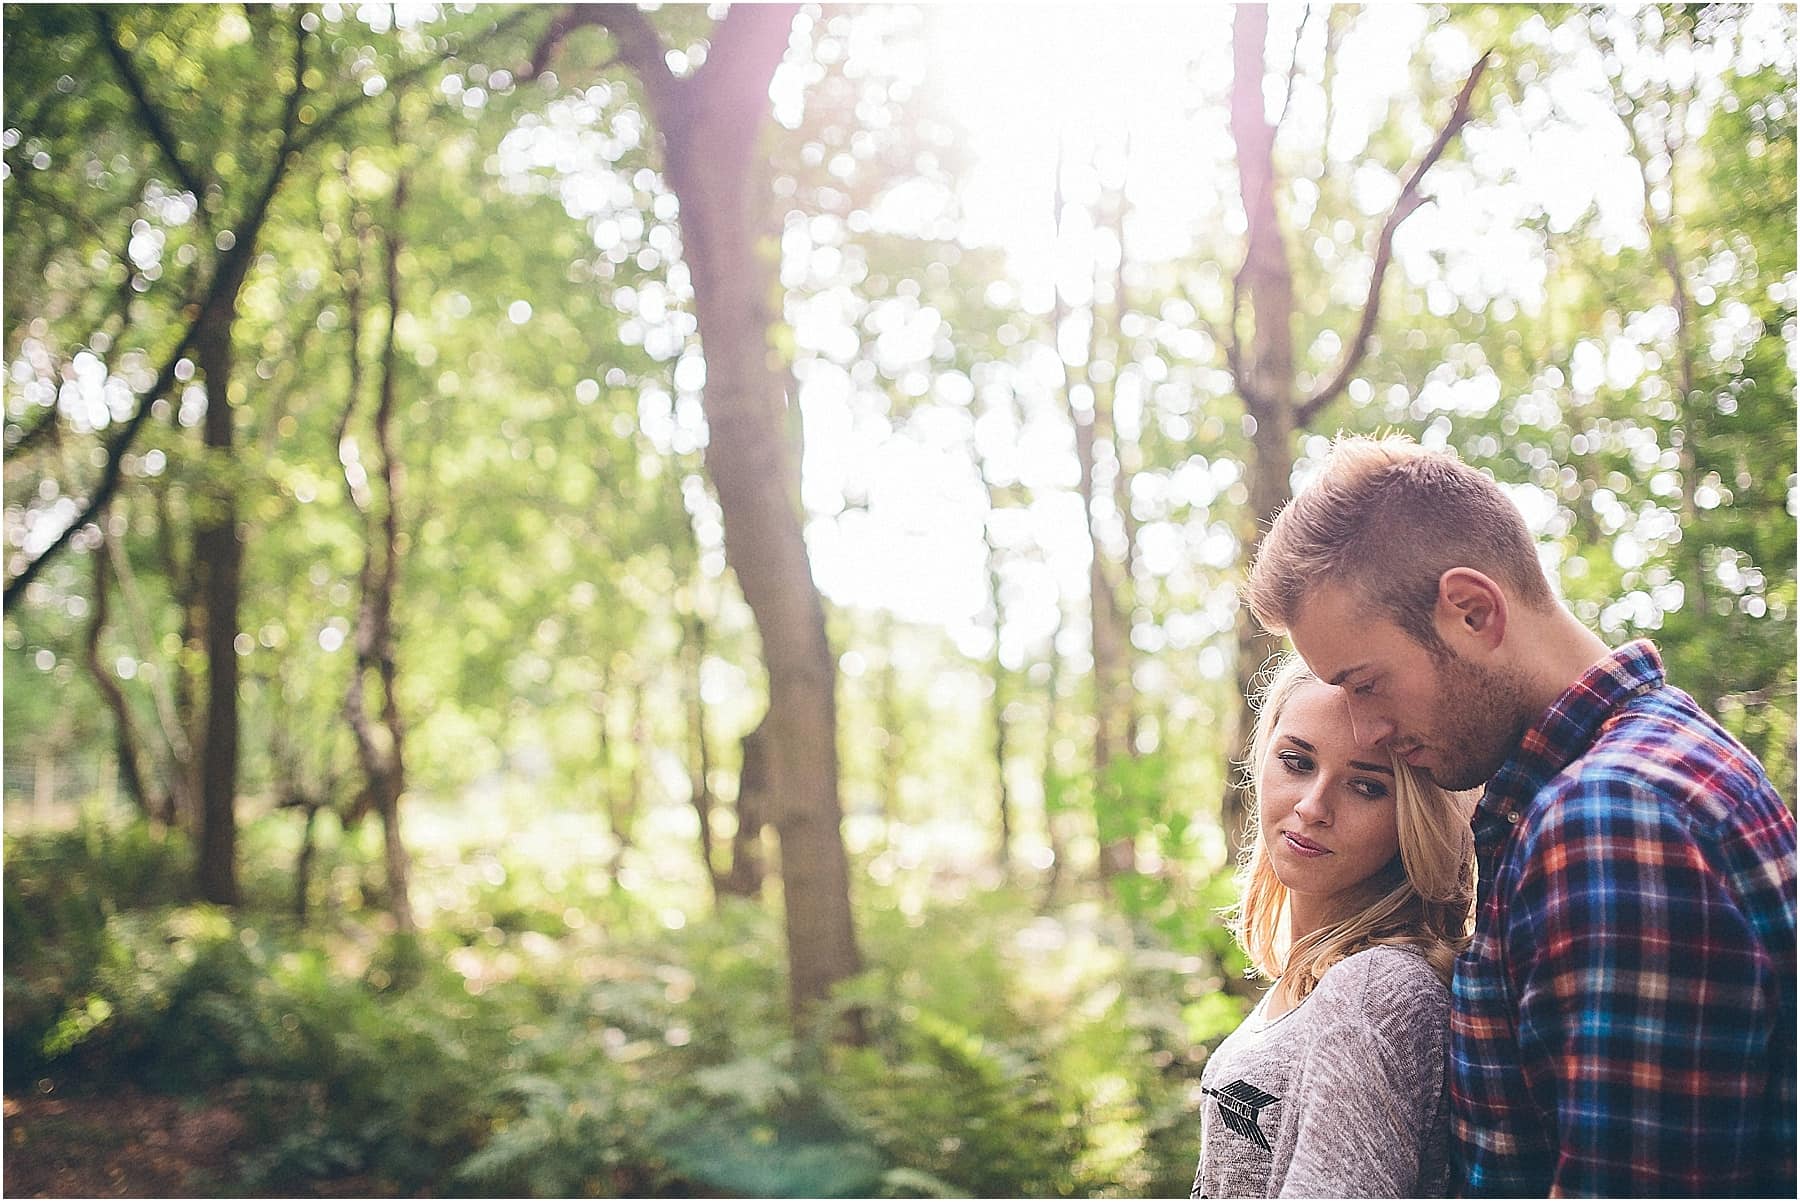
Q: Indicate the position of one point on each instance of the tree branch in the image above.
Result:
(1408, 201)
(640, 47)
(344, 108)
(45, 427)
(153, 120)
(109, 476)
(1294, 65)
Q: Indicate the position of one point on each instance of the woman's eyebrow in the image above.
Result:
(1368, 767)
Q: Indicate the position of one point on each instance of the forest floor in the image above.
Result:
(126, 1143)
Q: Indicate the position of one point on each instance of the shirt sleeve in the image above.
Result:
(1644, 1007)
(1374, 1082)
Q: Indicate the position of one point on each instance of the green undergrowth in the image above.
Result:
(550, 1034)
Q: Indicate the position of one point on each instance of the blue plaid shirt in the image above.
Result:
(1623, 1021)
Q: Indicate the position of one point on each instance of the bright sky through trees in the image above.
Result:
(1026, 79)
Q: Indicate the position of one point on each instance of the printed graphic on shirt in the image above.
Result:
(1240, 1105)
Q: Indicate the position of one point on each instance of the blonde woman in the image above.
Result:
(1356, 888)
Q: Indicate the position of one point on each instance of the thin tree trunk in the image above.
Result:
(187, 733)
(699, 751)
(1113, 685)
(745, 877)
(303, 861)
(893, 747)
(383, 755)
(1052, 816)
(632, 800)
(1116, 852)
(175, 755)
(131, 774)
(608, 783)
(997, 705)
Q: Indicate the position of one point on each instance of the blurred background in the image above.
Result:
(641, 602)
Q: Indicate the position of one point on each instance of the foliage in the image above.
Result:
(616, 1057)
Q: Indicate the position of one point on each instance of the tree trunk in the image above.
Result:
(710, 122)
(219, 555)
(303, 862)
(997, 709)
(693, 649)
(1114, 699)
(632, 799)
(380, 750)
(131, 774)
(186, 724)
(745, 877)
(893, 746)
(1117, 853)
(1052, 814)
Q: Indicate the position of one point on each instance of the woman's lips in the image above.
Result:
(1303, 846)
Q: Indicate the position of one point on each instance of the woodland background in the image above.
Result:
(642, 602)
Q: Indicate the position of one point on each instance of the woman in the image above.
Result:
(1355, 899)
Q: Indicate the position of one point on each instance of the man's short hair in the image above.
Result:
(1388, 518)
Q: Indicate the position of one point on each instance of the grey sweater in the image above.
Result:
(1344, 1096)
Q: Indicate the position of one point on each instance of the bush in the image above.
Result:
(581, 1047)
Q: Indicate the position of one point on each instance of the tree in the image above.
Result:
(1263, 372)
(709, 122)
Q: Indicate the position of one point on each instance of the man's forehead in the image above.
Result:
(1338, 634)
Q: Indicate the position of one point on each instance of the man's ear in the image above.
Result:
(1471, 609)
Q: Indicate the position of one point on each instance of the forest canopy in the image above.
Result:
(709, 535)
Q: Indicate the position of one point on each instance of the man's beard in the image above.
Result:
(1483, 714)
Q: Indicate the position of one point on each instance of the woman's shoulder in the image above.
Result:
(1384, 980)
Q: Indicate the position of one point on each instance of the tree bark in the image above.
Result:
(709, 123)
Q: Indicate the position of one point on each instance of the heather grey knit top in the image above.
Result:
(1344, 1096)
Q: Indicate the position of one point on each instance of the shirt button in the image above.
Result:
(1512, 816)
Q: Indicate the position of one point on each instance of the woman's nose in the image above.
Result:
(1314, 805)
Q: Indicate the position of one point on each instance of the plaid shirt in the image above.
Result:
(1623, 1022)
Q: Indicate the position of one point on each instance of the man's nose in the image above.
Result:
(1367, 727)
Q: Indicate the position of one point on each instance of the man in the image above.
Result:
(1623, 1019)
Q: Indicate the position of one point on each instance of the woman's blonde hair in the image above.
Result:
(1423, 899)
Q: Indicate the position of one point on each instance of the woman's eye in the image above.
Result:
(1293, 761)
(1373, 790)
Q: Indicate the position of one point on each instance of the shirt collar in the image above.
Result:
(1569, 726)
